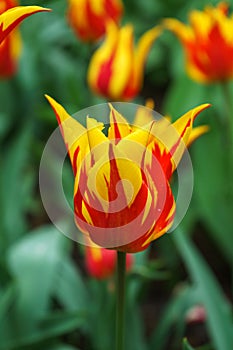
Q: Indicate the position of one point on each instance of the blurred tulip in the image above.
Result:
(88, 18)
(116, 68)
(122, 195)
(196, 314)
(101, 263)
(207, 42)
(10, 42)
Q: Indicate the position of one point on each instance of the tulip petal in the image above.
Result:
(119, 127)
(172, 142)
(165, 221)
(122, 62)
(183, 32)
(135, 144)
(12, 17)
(184, 124)
(112, 175)
(197, 132)
(140, 55)
(99, 71)
(98, 142)
(144, 46)
(73, 133)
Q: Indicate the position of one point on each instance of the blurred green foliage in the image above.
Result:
(46, 299)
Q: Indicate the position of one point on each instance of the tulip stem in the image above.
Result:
(120, 300)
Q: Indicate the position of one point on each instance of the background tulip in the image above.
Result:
(101, 263)
(89, 18)
(10, 42)
(116, 68)
(207, 42)
(11, 47)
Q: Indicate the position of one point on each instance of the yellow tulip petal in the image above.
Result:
(197, 132)
(178, 136)
(12, 17)
(144, 45)
(74, 134)
(101, 55)
(119, 127)
(124, 181)
(98, 142)
(135, 144)
(171, 140)
(183, 32)
(78, 14)
(122, 62)
(188, 118)
(201, 23)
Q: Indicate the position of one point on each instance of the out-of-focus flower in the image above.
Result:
(122, 196)
(89, 18)
(10, 42)
(207, 42)
(196, 314)
(101, 263)
(116, 68)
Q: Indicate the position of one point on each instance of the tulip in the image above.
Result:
(101, 263)
(122, 195)
(88, 18)
(207, 43)
(116, 68)
(10, 43)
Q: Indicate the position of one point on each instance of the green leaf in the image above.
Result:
(14, 184)
(134, 325)
(70, 288)
(174, 314)
(151, 270)
(34, 262)
(56, 325)
(219, 318)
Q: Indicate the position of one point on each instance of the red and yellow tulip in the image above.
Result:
(89, 18)
(116, 68)
(10, 42)
(207, 42)
(122, 195)
(101, 263)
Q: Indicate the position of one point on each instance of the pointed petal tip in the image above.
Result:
(34, 9)
(201, 108)
(110, 106)
(50, 99)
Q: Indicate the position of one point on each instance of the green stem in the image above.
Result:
(120, 301)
